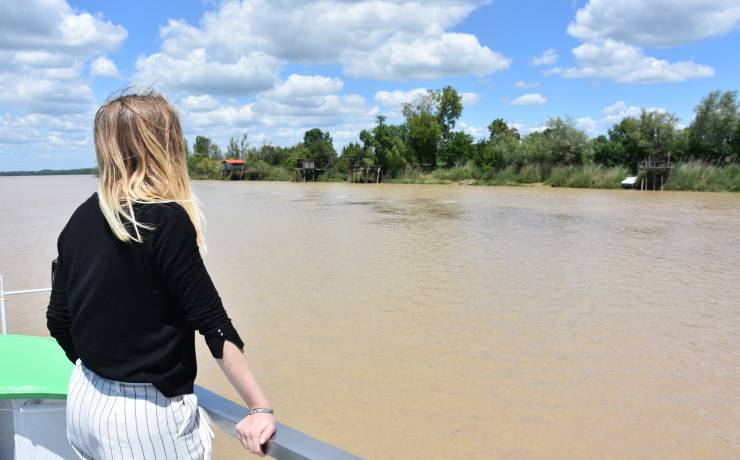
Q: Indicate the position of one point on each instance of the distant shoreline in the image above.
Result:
(51, 172)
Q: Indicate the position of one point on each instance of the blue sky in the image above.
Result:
(273, 69)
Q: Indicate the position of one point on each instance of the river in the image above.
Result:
(443, 321)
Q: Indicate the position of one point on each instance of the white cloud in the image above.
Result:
(611, 115)
(406, 58)
(393, 100)
(33, 94)
(615, 32)
(396, 99)
(41, 59)
(297, 86)
(526, 85)
(103, 67)
(656, 22)
(53, 26)
(45, 45)
(41, 131)
(530, 99)
(469, 99)
(299, 103)
(202, 103)
(199, 72)
(476, 131)
(388, 40)
(549, 56)
(623, 63)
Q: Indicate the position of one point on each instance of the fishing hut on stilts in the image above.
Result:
(233, 168)
(306, 170)
(364, 173)
(652, 174)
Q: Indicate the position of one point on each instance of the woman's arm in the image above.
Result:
(179, 265)
(58, 319)
(254, 430)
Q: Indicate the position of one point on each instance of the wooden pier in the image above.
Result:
(652, 174)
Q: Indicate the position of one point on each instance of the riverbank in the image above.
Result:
(690, 176)
(50, 172)
(693, 176)
(684, 177)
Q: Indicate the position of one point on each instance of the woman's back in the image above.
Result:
(129, 291)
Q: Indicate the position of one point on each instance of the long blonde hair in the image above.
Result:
(140, 150)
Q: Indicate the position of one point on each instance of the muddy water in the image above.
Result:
(418, 321)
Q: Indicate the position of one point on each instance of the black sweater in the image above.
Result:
(129, 311)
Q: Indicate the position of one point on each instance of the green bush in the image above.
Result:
(697, 176)
(587, 176)
(203, 167)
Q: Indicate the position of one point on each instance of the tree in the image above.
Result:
(567, 144)
(607, 153)
(214, 152)
(269, 154)
(449, 107)
(424, 130)
(388, 145)
(657, 134)
(202, 145)
(320, 146)
(456, 150)
(652, 135)
(295, 153)
(424, 133)
(243, 146)
(498, 128)
(626, 136)
(715, 123)
(233, 150)
(536, 149)
(352, 153)
(735, 145)
(186, 147)
(422, 103)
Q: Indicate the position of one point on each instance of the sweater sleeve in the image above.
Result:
(180, 267)
(58, 318)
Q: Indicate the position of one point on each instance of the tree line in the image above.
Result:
(427, 139)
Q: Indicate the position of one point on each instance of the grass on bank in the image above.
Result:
(701, 177)
(690, 176)
(586, 176)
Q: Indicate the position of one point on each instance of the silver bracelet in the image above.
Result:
(260, 410)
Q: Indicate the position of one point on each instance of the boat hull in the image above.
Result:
(34, 428)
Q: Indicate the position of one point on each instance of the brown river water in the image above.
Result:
(444, 321)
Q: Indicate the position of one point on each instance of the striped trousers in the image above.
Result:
(107, 419)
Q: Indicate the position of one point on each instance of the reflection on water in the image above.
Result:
(418, 321)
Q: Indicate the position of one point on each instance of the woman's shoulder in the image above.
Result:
(167, 218)
(168, 210)
(82, 211)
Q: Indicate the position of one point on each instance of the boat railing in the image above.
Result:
(286, 443)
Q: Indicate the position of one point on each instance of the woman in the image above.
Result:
(130, 288)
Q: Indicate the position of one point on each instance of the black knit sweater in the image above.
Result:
(129, 311)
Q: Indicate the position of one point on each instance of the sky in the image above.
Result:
(275, 68)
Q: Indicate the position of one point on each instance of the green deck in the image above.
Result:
(32, 368)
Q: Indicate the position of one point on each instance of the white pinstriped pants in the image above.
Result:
(117, 420)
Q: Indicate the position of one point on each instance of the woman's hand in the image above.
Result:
(254, 430)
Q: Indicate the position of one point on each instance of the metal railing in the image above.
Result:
(285, 444)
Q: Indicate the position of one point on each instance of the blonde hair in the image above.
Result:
(140, 150)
